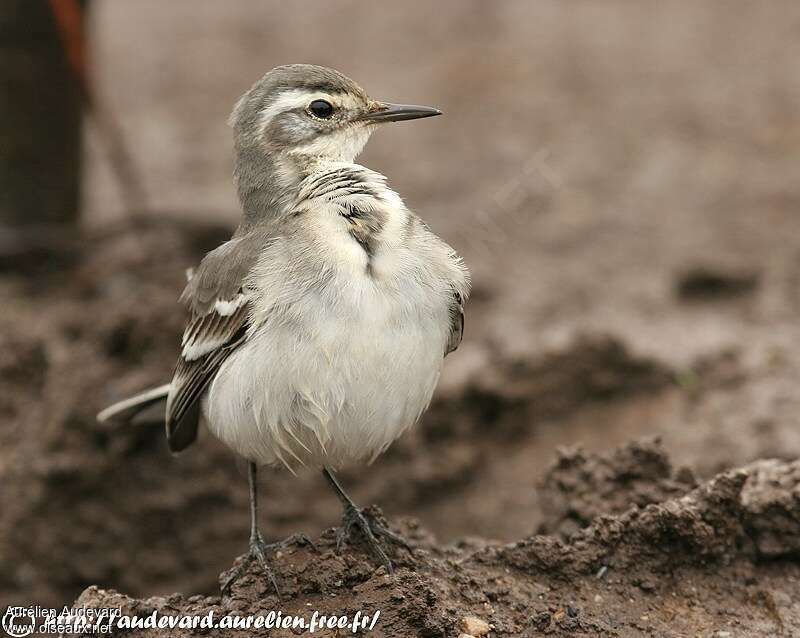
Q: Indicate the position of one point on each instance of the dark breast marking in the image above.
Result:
(365, 226)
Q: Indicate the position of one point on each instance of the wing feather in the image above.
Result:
(456, 323)
(208, 341)
(220, 314)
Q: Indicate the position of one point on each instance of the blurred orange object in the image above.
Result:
(68, 15)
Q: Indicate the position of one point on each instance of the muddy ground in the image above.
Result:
(622, 181)
(710, 561)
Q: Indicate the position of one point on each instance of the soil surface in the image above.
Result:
(612, 450)
(710, 560)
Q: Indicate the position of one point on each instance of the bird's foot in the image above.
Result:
(258, 551)
(370, 529)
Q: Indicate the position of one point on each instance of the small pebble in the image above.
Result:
(465, 636)
(598, 598)
(647, 585)
(474, 626)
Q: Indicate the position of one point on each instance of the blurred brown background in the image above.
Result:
(622, 179)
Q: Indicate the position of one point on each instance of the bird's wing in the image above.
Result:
(456, 323)
(219, 304)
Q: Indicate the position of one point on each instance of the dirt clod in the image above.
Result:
(706, 283)
(579, 487)
(474, 626)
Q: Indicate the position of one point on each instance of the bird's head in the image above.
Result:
(308, 111)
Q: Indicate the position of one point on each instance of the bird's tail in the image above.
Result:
(124, 411)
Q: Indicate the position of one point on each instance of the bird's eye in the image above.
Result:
(321, 109)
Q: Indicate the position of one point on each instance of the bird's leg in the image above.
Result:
(354, 518)
(258, 549)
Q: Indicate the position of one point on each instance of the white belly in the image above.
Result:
(326, 385)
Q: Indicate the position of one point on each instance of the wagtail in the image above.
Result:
(316, 335)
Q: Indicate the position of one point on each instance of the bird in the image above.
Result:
(316, 335)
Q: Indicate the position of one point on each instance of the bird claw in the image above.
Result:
(258, 551)
(370, 529)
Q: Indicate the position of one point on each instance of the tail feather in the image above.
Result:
(125, 410)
